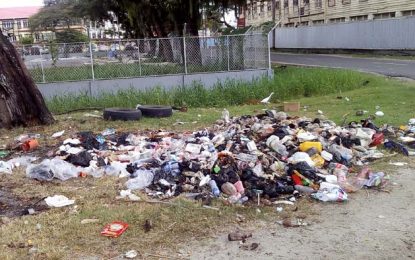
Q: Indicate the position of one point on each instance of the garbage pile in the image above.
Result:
(237, 159)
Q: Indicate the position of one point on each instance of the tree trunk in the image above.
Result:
(21, 103)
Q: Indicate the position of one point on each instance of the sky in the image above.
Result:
(18, 3)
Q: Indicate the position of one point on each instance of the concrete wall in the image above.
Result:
(95, 88)
(389, 34)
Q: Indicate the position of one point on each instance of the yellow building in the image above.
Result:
(14, 23)
(311, 12)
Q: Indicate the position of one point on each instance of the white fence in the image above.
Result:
(389, 34)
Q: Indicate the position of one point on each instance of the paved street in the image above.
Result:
(388, 67)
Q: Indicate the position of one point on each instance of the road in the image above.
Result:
(371, 225)
(388, 67)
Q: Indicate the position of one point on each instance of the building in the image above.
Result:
(292, 13)
(14, 23)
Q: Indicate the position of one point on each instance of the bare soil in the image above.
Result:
(371, 225)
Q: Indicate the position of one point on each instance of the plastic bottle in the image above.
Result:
(275, 144)
(235, 198)
(304, 189)
(239, 187)
(214, 187)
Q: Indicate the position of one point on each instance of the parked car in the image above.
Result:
(37, 50)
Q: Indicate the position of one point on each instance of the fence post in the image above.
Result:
(228, 43)
(92, 60)
(139, 56)
(184, 55)
(269, 51)
(43, 70)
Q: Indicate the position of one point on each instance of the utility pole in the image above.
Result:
(273, 20)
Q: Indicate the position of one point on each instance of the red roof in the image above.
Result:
(18, 12)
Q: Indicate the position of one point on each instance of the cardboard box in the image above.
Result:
(291, 106)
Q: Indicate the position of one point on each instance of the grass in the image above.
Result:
(63, 237)
(288, 83)
(104, 71)
(120, 70)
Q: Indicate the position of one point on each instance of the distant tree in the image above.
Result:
(27, 40)
(70, 36)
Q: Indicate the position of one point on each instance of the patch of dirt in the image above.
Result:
(371, 225)
(15, 206)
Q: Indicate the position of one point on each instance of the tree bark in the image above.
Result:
(21, 103)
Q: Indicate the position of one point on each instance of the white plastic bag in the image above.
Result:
(144, 179)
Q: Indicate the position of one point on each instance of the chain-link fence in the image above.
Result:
(111, 59)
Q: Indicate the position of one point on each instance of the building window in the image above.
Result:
(261, 7)
(285, 3)
(332, 3)
(277, 5)
(7, 24)
(319, 3)
(358, 18)
(19, 24)
(383, 16)
(254, 9)
(269, 6)
(338, 20)
(346, 2)
(306, 2)
(304, 23)
(295, 2)
(318, 22)
(408, 13)
(26, 23)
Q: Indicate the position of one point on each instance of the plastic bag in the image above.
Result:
(5, 167)
(301, 157)
(144, 179)
(63, 170)
(334, 194)
(40, 172)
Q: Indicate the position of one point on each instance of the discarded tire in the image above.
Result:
(156, 111)
(124, 114)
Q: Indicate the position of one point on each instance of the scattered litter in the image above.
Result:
(58, 201)
(250, 247)
(148, 225)
(131, 254)
(89, 221)
(30, 145)
(284, 202)
(114, 229)
(268, 159)
(379, 113)
(58, 134)
(292, 223)
(124, 194)
(398, 163)
(239, 236)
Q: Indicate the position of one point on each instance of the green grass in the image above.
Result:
(288, 83)
(120, 70)
(105, 71)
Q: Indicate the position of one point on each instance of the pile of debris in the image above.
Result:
(237, 159)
